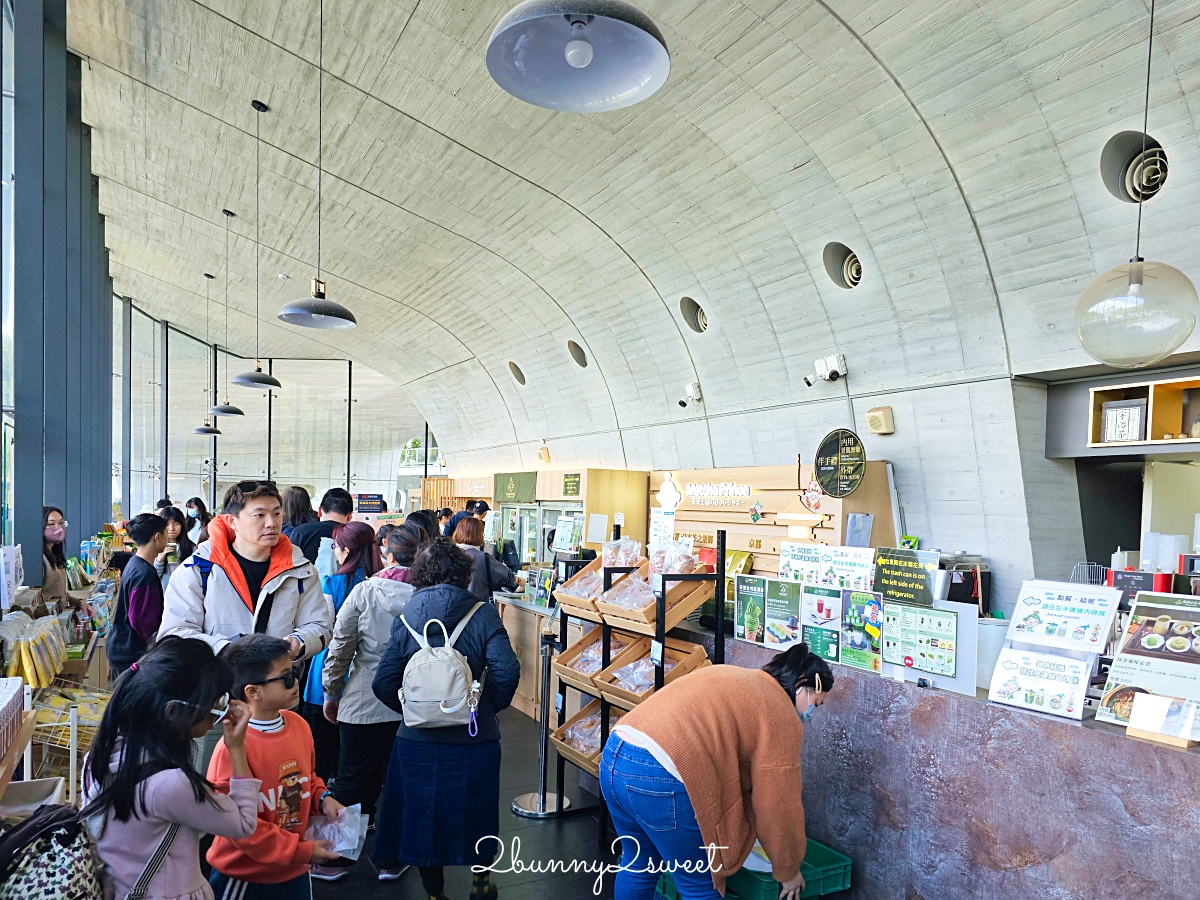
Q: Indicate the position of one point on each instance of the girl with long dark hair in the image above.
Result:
(297, 509)
(357, 556)
(168, 561)
(139, 780)
(54, 560)
(198, 519)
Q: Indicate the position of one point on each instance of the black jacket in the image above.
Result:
(308, 537)
(484, 643)
(448, 528)
(490, 574)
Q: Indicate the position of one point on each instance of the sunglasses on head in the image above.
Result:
(288, 678)
(249, 487)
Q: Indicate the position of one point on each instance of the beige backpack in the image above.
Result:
(438, 690)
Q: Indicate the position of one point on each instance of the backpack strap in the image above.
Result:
(419, 638)
(204, 567)
(142, 885)
(458, 629)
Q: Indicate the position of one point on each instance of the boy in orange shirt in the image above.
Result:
(273, 863)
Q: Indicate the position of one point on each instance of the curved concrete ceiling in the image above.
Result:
(953, 145)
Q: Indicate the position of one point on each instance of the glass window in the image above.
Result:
(385, 421)
(145, 487)
(242, 446)
(188, 386)
(117, 402)
(6, 266)
(308, 445)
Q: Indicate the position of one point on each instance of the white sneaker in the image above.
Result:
(392, 874)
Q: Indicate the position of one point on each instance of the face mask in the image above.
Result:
(193, 513)
(54, 533)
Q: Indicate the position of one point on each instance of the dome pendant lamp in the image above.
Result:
(317, 310)
(207, 428)
(1138, 313)
(226, 408)
(578, 55)
(258, 378)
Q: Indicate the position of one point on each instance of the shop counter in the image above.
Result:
(524, 623)
(933, 794)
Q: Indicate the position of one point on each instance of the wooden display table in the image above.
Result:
(525, 623)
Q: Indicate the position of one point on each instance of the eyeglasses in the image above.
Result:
(218, 712)
(249, 487)
(288, 678)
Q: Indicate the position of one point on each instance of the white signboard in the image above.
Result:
(852, 568)
(1165, 715)
(1041, 682)
(1065, 616)
(662, 526)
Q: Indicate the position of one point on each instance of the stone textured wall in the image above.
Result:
(935, 796)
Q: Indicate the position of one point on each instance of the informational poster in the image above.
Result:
(821, 620)
(862, 630)
(1041, 682)
(571, 482)
(858, 529)
(783, 613)
(662, 526)
(368, 503)
(1130, 582)
(545, 586)
(920, 637)
(1063, 615)
(906, 576)
(489, 528)
(1159, 654)
(837, 567)
(840, 463)
(564, 534)
(597, 530)
(750, 608)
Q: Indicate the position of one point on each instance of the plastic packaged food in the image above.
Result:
(622, 552)
(672, 558)
(589, 662)
(638, 676)
(584, 735)
(630, 592)
(586, 587)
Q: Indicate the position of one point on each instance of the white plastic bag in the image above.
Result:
(346, 834)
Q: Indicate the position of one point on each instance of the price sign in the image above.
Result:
(840, 463)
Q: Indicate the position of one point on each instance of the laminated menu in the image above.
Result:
(783, 613)
(839, 567)
(750, 600)
(821, 620)
(1064, 615)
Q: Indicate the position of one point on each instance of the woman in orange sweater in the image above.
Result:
(703, 768)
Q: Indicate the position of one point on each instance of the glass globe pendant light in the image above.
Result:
(578, 55)
(206, 428)
(316, 310)
(258, 378)
(226, 408)
(1138, 313)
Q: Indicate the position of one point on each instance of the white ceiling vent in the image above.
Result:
(1133, 166)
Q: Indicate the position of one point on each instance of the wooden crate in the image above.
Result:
(688, 657)
(578, 606)
(564, 661)
(683, 598)
(589, 764)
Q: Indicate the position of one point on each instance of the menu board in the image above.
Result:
(1130, 582)
(571, 484)
(837, 567)
(1063, 615)
(783, 613)
(862, 630)
(1043, 683)
(840, 463)
(906, 576)
(920, 637)
(1159, 654)
(564, 534)
(821, 620)
(749, 605)
(662, 526)
(369, 503)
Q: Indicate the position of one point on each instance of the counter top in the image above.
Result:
(937, 795)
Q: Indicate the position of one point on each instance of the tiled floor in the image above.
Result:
(573, 837)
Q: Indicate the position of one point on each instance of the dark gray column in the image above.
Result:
(28, 470)
(54, 254)
(212, 393)
(74, 363)
(163, 406)
(349, 415)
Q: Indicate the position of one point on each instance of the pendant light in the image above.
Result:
(1138, 313)
(226, 408)
(258, 378)
(578, 56)
(317, 310)
(206, 428)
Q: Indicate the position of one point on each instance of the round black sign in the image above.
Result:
(841, 463)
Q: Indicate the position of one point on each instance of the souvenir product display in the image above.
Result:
(589, 662)
(638, 676)
(584, 735)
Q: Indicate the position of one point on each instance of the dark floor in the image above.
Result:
(570, 838)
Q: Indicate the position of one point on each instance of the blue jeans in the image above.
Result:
(656, 824)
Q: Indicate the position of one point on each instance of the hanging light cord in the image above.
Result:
(226, 305)
(1145, 125)
(320, 123)
(257, 225)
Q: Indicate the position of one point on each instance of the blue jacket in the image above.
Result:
(448, 529)
(484, 643)
(338, 588)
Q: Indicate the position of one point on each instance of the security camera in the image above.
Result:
(808, 380)
(828, 368)
(691, 395)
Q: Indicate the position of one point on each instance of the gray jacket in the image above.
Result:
(360, 634)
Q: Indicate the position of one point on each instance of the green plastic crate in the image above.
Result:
(825, 871)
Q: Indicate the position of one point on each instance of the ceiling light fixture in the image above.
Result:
(316, 310)
(206, 428)
(1140, 312)
(226, 408)
(258, 378)
(579, 55)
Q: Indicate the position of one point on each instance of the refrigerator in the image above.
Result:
(530, 526)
